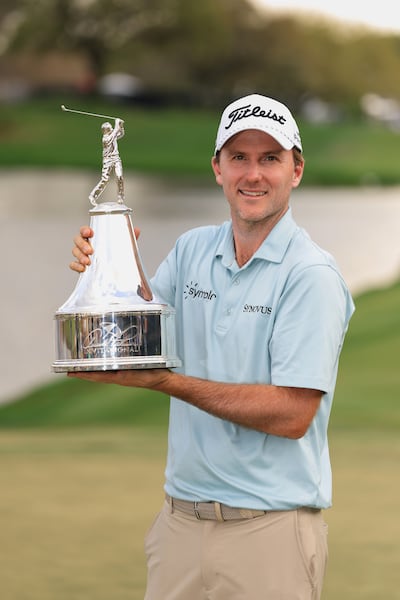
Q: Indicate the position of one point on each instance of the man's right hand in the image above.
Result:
(82, 249)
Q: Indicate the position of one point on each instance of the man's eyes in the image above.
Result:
(267, 158)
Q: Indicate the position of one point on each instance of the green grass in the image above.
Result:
(364, 529)
(350, 153)
(180, 142)
(366, 394)
(75, 403)
(75, 505)
(81, 475)
(159, 141)
(74, 509)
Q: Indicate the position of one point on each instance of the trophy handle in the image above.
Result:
(144, 289)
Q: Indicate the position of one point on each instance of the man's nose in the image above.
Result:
(253, 171)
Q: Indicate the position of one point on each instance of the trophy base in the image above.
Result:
(70, 366)
(113, 340)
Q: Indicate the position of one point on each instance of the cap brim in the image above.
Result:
(282, 140)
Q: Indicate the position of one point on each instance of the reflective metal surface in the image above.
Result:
(112, 319)
(118, 340)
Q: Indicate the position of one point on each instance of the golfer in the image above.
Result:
(248, 471)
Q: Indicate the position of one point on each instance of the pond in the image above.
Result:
(42, 210)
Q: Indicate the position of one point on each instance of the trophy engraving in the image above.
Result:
(112, 319)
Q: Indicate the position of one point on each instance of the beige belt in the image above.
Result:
(212, 511)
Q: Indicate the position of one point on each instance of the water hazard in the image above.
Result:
(41, 211)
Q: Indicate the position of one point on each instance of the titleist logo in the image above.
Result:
(256, 111)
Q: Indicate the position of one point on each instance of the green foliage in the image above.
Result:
(180, 142)
(206, 50)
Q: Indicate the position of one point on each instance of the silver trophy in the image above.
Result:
(112, 319)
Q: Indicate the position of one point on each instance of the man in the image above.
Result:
(248, 468)
(111, 160)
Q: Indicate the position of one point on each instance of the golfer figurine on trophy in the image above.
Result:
(111, 160)
(112, 320)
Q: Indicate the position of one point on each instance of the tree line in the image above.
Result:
(210, 50)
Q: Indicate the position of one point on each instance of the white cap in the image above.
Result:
(262, 113)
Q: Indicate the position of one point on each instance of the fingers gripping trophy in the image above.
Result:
(112, 319)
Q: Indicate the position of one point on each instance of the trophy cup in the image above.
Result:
(112, 319)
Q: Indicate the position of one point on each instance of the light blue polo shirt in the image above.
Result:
(281, 320)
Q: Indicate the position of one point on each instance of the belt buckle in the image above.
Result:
(196, 510)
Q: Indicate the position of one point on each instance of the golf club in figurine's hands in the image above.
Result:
(112, 319)
(111, 159)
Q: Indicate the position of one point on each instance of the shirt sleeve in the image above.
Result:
(310, 324)
(164, 281)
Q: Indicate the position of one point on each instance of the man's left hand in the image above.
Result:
(141, 378)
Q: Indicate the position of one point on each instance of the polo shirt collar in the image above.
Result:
(272, 249)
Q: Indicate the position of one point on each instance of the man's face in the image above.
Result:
(257, 176)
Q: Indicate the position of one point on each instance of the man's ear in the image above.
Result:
(297, 174)
(217, 169)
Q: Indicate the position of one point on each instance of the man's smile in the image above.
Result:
(253, 193)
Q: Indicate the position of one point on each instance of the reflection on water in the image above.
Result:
(41, 211)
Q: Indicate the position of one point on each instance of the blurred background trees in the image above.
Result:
(197, 53)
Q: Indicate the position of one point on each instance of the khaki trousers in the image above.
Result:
(279, 556)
